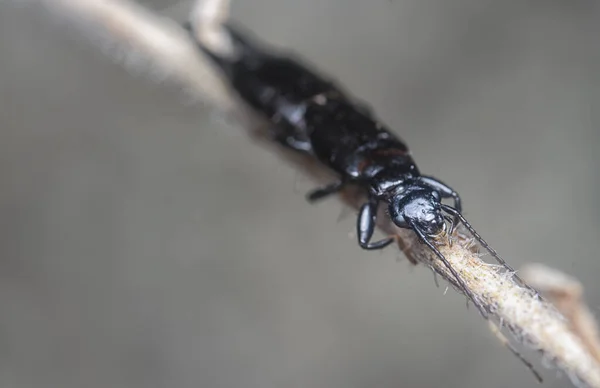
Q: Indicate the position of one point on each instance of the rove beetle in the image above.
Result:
(310, 114)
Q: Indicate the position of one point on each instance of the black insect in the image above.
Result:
(312, 115)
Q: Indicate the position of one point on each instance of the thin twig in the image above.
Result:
(566, 293)
(143, 42)
(143, 38)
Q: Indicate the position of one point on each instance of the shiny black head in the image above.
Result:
(418, 206)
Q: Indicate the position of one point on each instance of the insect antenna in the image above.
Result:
(499, 259)
(495, 255)
(514, 351)
(459, 280)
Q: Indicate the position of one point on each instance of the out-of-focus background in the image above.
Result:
(146, 243)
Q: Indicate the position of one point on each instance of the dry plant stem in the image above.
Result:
(532, 321)
(144, 42)
(566, 293)
(147, 37)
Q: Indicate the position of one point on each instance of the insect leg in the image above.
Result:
(365, 227)
(323, 192)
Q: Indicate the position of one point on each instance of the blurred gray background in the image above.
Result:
(145, 243)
